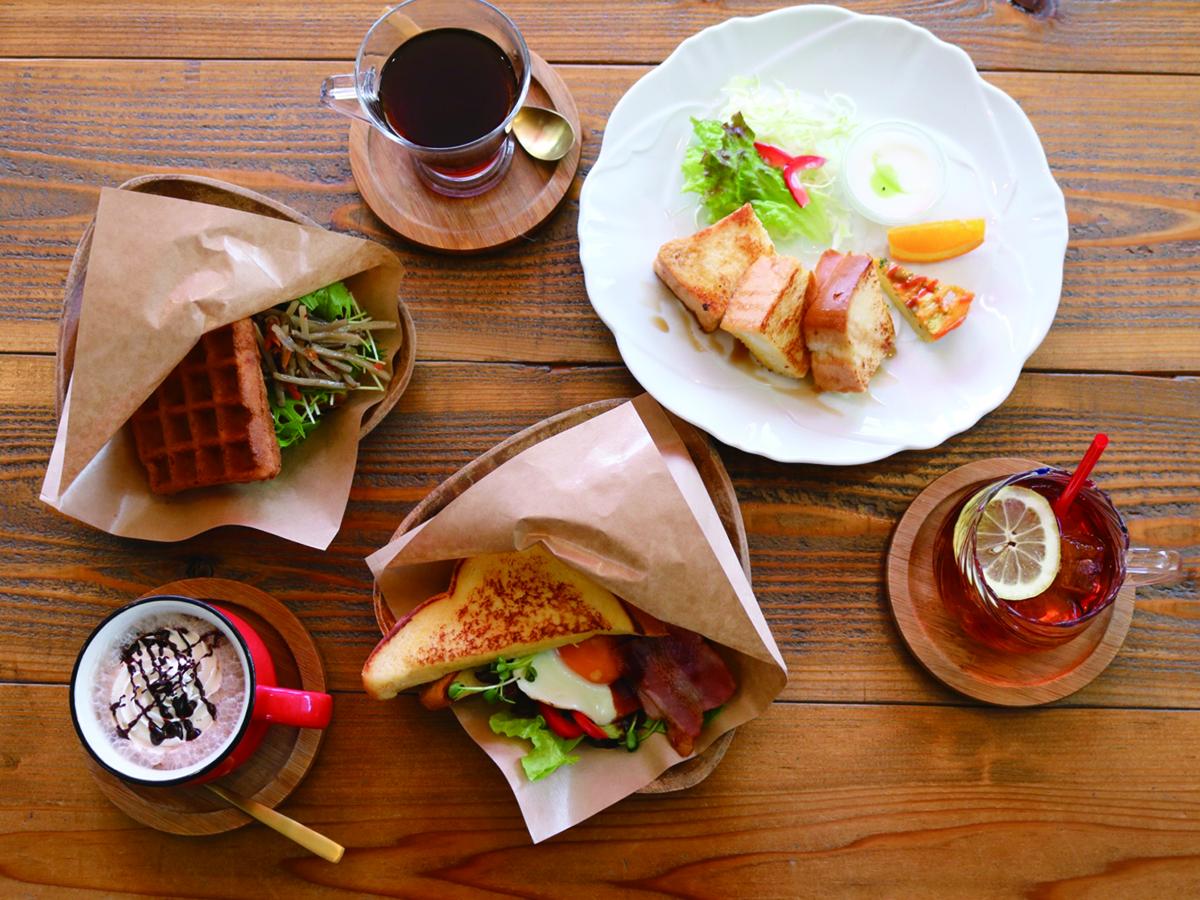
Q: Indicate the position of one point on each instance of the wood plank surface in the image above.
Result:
(818, 535)
(922, 802)
(1064, 35)
(75, 125)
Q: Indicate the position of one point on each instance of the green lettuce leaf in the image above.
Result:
(334, 301)
(723, 167)
(549, 750)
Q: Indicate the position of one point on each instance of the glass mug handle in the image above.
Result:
(340, 93)
(1145, 566)
(284, 706)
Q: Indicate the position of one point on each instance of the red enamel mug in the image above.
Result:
(173, 690)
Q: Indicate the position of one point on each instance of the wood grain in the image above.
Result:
(929, 802)
(1131, 269)
(938, 641)
(1079, 35)
(387, 178)
(818, 535)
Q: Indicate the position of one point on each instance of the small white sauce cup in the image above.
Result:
(857, 167)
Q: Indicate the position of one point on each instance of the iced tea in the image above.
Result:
(1093, 543)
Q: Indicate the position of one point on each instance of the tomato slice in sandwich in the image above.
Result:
(559, 722)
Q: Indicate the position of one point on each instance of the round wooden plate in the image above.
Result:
(286, 754)
(527, 195)
(720, 489)
(217, 193)
(1006, 679)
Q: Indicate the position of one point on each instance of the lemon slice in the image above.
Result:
(1017, 544)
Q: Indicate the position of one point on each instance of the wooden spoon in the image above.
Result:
(310, 840)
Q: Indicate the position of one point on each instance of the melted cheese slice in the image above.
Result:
(558, 685)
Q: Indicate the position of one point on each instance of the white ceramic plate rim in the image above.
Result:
(849, 451)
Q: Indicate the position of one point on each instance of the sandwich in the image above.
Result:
(704, 269)
(558, 658)
(766, 313)
(932, 309)
(847, 327)
(253, 387)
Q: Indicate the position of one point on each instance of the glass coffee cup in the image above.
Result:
(443, 79)
(1094, 562)
(172, 690)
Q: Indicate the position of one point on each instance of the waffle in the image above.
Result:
(208, 422)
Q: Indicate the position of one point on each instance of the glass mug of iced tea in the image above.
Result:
(171, 690)
(443, 79)
(1019, 577)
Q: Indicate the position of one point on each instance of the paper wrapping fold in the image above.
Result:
(162, 272)
(619, 498)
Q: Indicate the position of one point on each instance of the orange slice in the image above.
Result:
(935, 241)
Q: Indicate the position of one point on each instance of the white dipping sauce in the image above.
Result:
(891, 155)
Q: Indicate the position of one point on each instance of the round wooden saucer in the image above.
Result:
(712, 472)
(527, 195)
(216, 193)
(286, 754)
(1006, 679)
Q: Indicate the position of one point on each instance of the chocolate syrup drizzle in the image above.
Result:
(172, 670)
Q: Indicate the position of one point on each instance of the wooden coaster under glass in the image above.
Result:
(527, 195)
(933, 634)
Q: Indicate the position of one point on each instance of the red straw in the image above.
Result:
(1082, 471)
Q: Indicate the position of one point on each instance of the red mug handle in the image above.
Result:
(284, 706)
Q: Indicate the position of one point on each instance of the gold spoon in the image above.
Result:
(543, 133)
(312, 841)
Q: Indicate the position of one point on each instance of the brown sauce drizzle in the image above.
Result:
(172, 670)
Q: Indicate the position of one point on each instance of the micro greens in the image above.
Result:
(508, 671)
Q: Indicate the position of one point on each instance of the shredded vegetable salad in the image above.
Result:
(724, 167)
(314, 350)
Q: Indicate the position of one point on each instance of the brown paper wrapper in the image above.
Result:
(617, 497)
(161, 273)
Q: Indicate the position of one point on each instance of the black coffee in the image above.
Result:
(446, 87)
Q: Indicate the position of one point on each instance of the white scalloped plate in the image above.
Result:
(631, 203)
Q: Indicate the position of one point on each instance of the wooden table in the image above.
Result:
(867, 777)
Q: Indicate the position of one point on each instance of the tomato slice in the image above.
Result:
(590, 728)
(559, 722)
(597, 659)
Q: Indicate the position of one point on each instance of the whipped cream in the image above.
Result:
(163, 689)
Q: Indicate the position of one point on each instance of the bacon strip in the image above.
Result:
(677, 679)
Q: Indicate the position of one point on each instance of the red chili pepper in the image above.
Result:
(772, 155)
(590, 728)
(791, 177)
(293, 391)
(807, 162)
(559, 723)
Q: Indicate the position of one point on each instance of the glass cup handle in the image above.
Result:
(340, 94)
(1146, 566)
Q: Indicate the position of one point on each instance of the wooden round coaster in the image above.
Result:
(934, 636)
(712, 473)
(286, 754)
(527, 195)
(217, 193)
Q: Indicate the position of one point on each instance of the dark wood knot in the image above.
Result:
(1040, 8)
(200, 567)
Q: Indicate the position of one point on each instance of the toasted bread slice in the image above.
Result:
(500, 604)
(766, 313)
(847, 327)
(703, 270)
(932, 309)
